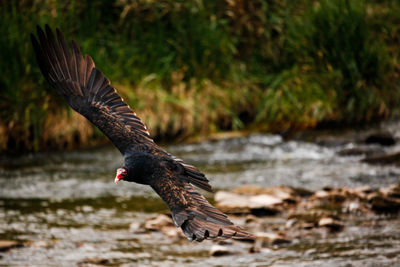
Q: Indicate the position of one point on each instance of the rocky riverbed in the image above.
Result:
(332, 226)
(312, 199)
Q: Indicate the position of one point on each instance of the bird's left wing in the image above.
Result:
(87, 90)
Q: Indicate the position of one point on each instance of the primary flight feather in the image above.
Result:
(89, 92)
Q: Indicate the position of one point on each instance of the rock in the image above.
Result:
(393, 158)
(302, 192)
(331, 200)
(309, 216)
(330, 223)
(225, 242)
(217, 250)
(96, 261)
(321, 194)
(41, 244)
(254, 249)
(352, 207)
(392, 191)
(362, 192)
(331, 141)
(290, 223)
(155, 224)
(360, 151)
(332, 195)
(172, 232)
(9, 244)
(134, 227)
(284, 193)
(274, 239)
(383, 138)
(307, 226)
(250, 218)
(236, 203)
(381, 203)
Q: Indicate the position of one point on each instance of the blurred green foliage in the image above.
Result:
(195, 67)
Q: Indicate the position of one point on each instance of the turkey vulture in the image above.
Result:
(89, 93)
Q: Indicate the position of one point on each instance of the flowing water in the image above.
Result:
(66, 209)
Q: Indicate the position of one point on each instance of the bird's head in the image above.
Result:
(121, 174)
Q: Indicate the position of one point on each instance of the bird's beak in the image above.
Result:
(117, 178)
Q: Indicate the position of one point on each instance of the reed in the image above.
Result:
(196, 67)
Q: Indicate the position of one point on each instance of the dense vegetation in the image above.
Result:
(195, 67)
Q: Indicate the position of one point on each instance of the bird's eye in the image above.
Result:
(121, 171)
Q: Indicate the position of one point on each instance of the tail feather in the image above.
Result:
(197, 229)
(201, 220)
(191, 211)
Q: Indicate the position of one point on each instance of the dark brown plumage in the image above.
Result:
(89, 92)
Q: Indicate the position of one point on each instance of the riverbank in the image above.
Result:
(197, 67)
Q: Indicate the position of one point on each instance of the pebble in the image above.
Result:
(218, 250)
(9, 244)
(155, 224)
(237, 203)
(330, 223)
(267, 239)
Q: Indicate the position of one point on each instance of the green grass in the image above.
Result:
(336, 36)
(195, 67)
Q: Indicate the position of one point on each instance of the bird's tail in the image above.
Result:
(198, 219)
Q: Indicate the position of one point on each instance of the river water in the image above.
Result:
(66, 209)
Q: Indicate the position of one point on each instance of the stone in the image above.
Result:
(362, 192)
(285, 193)
(218, 250)
(236, 203)
(392, 158)
(41, 244)
(155, 224)
(333, 195)
(250, 218)
(225, 242)
(135, 227)
(290, 223)
(392, 191)
(352, 207)
(9, 244)
(383, 138)
(360, 151)
(330, 223)
(268, 239)
(254, 249)
(307, 226)
(172, 232)
(309, 216)
(381, 203)
(331, 141)
(96, 261)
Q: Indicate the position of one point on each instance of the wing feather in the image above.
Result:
(87, 90)
(198, 219)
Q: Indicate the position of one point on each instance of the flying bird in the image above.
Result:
(88, 91)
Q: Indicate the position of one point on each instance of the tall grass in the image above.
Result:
(194, 67)
(337, 37)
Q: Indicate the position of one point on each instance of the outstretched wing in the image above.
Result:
(198, 219)
(87, 90)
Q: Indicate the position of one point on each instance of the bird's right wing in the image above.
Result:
(198, 219)
(87, 90)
